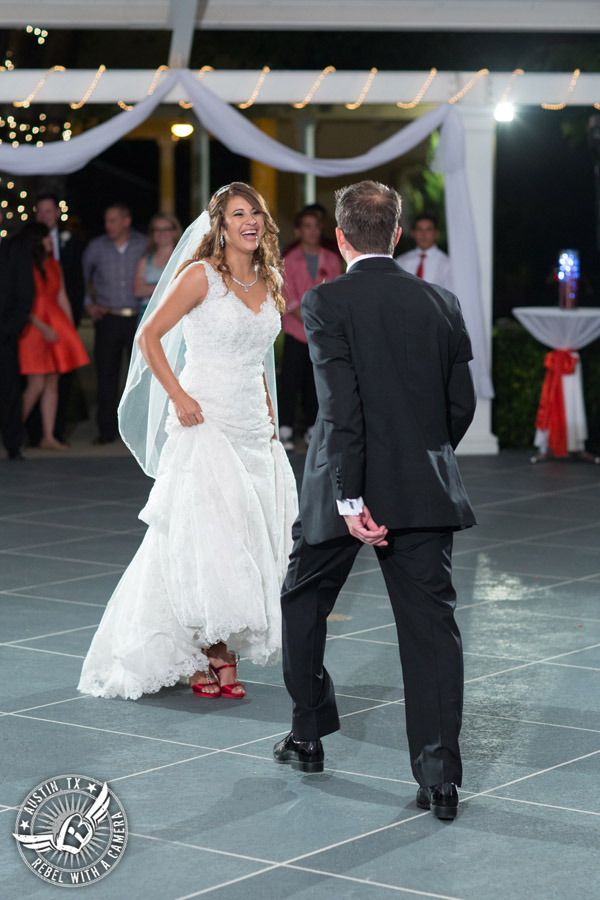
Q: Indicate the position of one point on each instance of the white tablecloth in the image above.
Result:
(564, 329)
(560, 329)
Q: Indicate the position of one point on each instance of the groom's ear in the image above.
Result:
(397, 238)
(341, 240)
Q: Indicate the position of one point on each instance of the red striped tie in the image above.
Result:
(419, 272)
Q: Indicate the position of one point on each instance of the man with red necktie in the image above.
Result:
(427, 261)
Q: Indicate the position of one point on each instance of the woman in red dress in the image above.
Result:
(49, 345)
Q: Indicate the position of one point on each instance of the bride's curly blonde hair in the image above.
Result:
(266, 257)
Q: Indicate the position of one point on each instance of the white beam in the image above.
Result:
(405, 15)
(235, 86)
(86, 14)
(310, 15)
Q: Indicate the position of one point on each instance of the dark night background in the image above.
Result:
(544, 166)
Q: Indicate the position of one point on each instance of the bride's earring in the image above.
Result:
(222, 240)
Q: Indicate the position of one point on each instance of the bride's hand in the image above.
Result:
(187, 410)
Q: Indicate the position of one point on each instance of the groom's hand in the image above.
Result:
(363, 528)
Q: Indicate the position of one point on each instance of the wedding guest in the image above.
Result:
(164, 231)
(109, 268)
(49, 344)
(426, 260)
(321, 213)
(67, 248)
(16, 298)
(306, 265)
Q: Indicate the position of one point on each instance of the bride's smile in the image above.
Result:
(244, 225)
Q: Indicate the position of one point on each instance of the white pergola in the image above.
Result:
(309, 15)
(476, 105)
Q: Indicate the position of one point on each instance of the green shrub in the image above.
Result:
(518, 373)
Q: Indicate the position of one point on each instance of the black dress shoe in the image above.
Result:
(306, 756)
(15, 454)
(103, 440)
(441, 799)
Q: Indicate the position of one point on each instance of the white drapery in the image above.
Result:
(240, 136)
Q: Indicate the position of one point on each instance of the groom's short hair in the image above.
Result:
(369, 214)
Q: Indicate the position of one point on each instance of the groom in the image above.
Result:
(390, 354)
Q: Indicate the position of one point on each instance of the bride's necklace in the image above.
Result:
(245, 286)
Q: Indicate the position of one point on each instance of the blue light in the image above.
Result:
(568, 276)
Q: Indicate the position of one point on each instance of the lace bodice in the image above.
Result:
(226, 344)
(223, 331)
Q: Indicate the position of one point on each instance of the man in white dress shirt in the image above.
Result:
(427, 261)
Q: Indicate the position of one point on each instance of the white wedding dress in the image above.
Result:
(220, 515)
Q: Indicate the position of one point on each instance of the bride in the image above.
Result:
(197, 413)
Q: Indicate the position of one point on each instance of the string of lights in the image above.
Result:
(256, 90)
(126, 106)
(201, 74)
(156, 78)
(509, 86)
(419, 96)
(505, 111)
(9, 65)
(364, 91)
(458, 96)
(91, 89)
(562, 105)
(25, 103)
(314, 88)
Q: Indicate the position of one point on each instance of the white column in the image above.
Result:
(201, 170)
(309, 131)
(204, 168)
(479, 125)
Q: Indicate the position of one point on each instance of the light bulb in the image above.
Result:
(182, 129)
(504, 112)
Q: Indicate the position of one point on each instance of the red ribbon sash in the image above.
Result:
(551, 411)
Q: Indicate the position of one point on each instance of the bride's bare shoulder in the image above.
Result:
(193, 279)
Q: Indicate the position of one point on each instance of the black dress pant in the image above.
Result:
(296, 375)
(417, 570)
(65, 382)
(10, 394)
(113, 338)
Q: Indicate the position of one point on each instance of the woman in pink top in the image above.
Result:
(305, 265)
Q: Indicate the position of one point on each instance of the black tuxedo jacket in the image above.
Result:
(390, 354)
(70, 252)
(16, 287)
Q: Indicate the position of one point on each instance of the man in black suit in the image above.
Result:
(390, 354)
(67, 248)
(16, 299)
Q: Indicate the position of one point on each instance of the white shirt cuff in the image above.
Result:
(350, 507)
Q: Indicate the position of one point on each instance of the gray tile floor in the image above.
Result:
(211, 814)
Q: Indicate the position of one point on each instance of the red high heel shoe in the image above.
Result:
(199, 688)
(227, 690)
